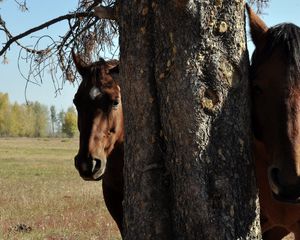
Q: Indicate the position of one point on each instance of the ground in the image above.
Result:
(43, 197)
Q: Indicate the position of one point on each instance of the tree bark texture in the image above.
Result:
(188, 169)
(147, 214)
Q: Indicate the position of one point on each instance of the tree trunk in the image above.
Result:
(147, 214)
(188, 168)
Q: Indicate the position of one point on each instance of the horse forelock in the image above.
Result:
(286, 39)
(95, 76)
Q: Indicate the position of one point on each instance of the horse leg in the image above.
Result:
(113, 200)
(276, 233)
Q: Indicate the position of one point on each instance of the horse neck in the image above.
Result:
(114, 167)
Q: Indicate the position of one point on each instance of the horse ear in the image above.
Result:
(80, 65)
(257, 27)
(112, 66)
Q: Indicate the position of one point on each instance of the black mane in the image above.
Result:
(286, 38)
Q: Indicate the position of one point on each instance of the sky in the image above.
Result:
(11, 81)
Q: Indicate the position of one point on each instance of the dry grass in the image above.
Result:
(43, 197)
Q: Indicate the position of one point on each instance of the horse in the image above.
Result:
(275, 93)
(101, 128)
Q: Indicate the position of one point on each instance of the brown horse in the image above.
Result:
(275, 82)
(100, 123)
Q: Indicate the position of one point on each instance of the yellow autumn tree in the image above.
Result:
(4, 113)
(70, 123)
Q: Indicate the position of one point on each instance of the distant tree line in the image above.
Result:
(35, 120)
(63, 123)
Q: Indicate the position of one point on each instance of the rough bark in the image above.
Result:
(146, 202)
(188, 168)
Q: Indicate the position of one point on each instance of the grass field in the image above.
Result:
(43, 197)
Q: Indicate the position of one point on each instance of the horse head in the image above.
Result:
(275, 84)
(100, 116)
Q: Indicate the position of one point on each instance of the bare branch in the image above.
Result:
(89, 33)
(22, 5)
(9, 36)
(260, 4)
(35, 29)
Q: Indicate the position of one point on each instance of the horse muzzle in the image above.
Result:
(90, 169)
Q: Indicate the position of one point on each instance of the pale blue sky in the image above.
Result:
(40, 11)
(10, 79)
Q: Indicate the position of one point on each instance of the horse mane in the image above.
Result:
(285, 37)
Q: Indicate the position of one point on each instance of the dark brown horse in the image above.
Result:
(275, 80)
(100, 123)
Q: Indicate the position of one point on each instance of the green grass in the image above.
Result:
(43, 197)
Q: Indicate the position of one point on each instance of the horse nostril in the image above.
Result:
(83, 165)
(274, 179)
(275, 175)
(283, 191)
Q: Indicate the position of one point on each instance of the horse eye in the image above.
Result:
(257, 90)
(115, 103)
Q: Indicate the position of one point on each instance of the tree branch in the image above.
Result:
(22, 5)
(100, 12)
(10, 36)
(88, 32)
(70, 32)
(35, 29)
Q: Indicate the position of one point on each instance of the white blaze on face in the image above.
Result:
(95, 92)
